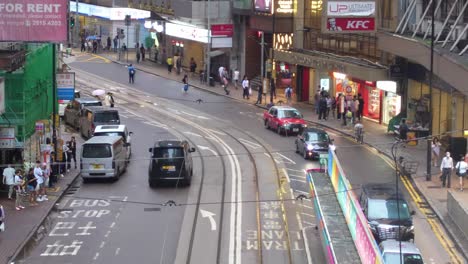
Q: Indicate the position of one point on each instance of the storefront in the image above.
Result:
(391, 106)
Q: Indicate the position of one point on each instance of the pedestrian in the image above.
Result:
(18, 183)
(65, 151)
(403, 130)
(329, 105)
(259, 95)
(31, 182)
(221, 70)
(288, 94)
(235, 77)
(109, 99)
(193, 66)
(142, 51)
(83, 45)
(361, 106)
(38, 174)
(9, 179)
(446, 167)
(272, 89)
(316, 100)
(109, 43)
(333, 107)
(461, 169)
(352, 106)
(131, 73)
(69, 155)
(185, 81)
(95, 46)
(225, 84)
(435, 151)
(176, 62)
(115, 43)
(245, 87)
(137, 52)
(338, 106)
(322, 108)
(169, 64)
(46, 174)
(54, 170)
(356, 108)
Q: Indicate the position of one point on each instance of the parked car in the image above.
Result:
(379, 204)
(73, 110)
(64, 103)
(312, 142)
(103, 157)
(170, 161)
(284, 119)
(410, 254)
(93, 116)
(2, 219)
(116, 130)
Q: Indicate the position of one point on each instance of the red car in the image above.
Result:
(284, 119)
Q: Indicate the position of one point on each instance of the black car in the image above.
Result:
(380, 206)
(171, 160)
(312, 142)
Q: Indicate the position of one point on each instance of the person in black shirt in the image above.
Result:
(72, 147)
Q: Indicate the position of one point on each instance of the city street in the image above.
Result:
(242, 206)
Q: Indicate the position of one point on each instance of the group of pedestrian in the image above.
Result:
(140, 52)
(177, 60)
(348, 108)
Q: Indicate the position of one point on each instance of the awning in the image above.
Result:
(215, 53)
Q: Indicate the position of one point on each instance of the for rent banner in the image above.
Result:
(32, 20)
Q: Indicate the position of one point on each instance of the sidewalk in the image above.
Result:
(20, 226)
(376, 136)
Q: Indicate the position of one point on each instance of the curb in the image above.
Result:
(36, 227)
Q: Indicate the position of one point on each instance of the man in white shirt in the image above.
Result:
(9, 179)
(235, 77)
(221, 74)
(446, 168)
(38, 174)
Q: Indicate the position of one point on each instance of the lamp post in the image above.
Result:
(431, 75)
(397, 174)
(208, 45)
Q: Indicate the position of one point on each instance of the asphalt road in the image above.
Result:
(240, 208)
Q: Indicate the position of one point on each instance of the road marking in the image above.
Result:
(103, 243)
(112, 225)
(249, 143)
(107, 234)
(155, 125)
(96, 256)
(209, 215)
(299, 191)
(285, 173)
(117, 251)
(301, 181)
(197, 116)
(193, 134)
(217, 132)
(120, 114)
(309, 215)
(309, 207)
(209, 149)
(309, 223)
(286, 158)
(297, 176)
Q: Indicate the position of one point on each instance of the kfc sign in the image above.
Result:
(353, 9)
(351, 24)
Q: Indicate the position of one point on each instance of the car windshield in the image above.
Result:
(408, 258)
(109, 134)
(289, 114)
(168, 153)
(317, 137)
(93, 104)
(387, 209)
(97, 151)
(107, 117)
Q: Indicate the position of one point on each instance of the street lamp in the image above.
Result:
(398, 162)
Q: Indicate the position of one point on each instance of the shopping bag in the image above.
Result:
(250, 91)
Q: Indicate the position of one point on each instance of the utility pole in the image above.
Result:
(429, 141)
(54, 101)
(77, 24)
(128, 35)
(208, 48)
(262, 60)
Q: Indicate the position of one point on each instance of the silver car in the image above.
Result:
(409, 252)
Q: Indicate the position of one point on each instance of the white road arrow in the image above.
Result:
(210, 216)
(209, 149)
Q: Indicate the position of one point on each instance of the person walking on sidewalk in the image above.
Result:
(245, 88)
(83, 45)
(446, 168)
(185, 82)
(272, 90)
(322, 108)
(193, 66)
(169, 64)
(9, 179)
(137, 52)
(38, 174)
(131, 73)
(66, 150)
(115, 43)
(316, 100)
(225, 84)
(461, 169)
(235, 77)
(259, 95)
(142, 51)
(18, 183)
(31, 182)
(288, 92)
(361, 106)
(109, 43)
(435, 151)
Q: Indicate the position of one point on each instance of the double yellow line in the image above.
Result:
(428, 213)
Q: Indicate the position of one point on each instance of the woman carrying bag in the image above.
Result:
(461, 169)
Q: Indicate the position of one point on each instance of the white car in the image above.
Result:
(116, 130)
(409, 252)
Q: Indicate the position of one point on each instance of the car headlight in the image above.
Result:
(304, 125)
(286, 125)
(310, 147)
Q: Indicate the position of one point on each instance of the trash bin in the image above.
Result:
(411, 136)
(212, 81)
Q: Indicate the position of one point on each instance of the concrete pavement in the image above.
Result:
(434, 197)
(22, 225)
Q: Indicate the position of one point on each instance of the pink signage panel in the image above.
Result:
(32, 20)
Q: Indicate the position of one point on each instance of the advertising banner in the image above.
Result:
(351, 24)
(31, 20)
(263, 5)
(187, 32)
(351, 9)
(222, 30)
(7, 137)
(65, 86)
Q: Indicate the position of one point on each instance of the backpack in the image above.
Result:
(132, 71)
(288, 92)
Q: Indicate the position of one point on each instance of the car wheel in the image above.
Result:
(117, 176)
(304, 154)
(267, 125)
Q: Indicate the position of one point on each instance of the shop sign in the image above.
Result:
(351, 24)
(222, 30)
(65, 86)
(187, 32)
(263, 5)
(120, 13)
(28, 20)
(115, 13)
(310, 61)
(284, 6)
(7, 137)
(389, 86)
(353, 8)
(39, 127)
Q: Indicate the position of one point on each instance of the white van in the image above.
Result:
(103, 157)
(116, 130)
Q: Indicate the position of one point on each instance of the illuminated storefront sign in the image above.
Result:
(351, 24)
(263, 5)
(389, 86)
(109, 13)
(343, 8)
(284, 6)
(187, 32)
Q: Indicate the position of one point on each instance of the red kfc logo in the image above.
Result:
(351, 24)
